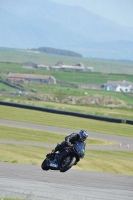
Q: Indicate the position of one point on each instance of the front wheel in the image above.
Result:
(67, 163)
(44, 165)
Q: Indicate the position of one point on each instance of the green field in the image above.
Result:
(4, 87)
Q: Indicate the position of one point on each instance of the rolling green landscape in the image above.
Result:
(67, 83)
(103, 66)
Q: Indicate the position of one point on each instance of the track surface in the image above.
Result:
(31, 182)
(25, 181)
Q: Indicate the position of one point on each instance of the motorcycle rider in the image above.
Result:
(70, 140)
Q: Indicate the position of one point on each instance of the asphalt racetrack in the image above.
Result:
(31, 182)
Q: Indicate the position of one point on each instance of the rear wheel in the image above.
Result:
(44, 165)
(67, 163)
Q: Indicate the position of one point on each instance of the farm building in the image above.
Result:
(29, 65)
(43, 67)
(31, 78)
(72, 68)
(58, 66)
(80, 64)
(118, 86)
(68, 68)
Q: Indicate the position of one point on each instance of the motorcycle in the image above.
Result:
(64, 159)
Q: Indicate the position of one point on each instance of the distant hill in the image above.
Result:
(31, 24)
(57, 51)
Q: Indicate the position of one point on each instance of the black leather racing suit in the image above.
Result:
(68, 139)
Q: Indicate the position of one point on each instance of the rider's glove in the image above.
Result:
(69, 144)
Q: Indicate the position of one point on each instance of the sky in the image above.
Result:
(119, 11)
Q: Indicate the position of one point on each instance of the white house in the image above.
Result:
(118, 86)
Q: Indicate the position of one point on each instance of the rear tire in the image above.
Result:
(69, 165)
(44, 165)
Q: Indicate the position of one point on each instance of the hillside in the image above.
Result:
(43, 23)
(61, 52)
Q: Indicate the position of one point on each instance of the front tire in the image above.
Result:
(44, 165)
(69, 165)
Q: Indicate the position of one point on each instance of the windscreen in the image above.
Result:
(79, 147)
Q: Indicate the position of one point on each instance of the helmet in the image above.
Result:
(83, 135)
